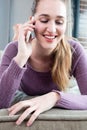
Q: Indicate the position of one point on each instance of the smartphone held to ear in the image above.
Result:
(30, 35)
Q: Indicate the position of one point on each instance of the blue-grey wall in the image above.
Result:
(12, 12)
(4, 22)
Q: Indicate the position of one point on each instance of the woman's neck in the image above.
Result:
(40, 60)
(40, 65)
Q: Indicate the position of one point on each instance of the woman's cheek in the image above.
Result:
(39, 27)
(62, 31)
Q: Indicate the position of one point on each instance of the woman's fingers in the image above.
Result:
(33, 117)
(25, 29)
(12, 107)
(17, 107)
(28, 24)
(27, 112)
(31, 108)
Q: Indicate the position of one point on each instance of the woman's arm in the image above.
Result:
(79, 71)
(34, 106)
(10, 75)
(13, 61)
(72, 101)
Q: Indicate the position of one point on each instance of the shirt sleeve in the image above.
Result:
(72, 101)
(79, 71)
(10, 76)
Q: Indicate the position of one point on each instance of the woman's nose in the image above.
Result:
(51, 27)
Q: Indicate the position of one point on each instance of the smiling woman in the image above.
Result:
(42, 66)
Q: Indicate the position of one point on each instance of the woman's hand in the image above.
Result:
(36, 105)
(16, 32)
(24, 46)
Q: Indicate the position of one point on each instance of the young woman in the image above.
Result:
(42, 66)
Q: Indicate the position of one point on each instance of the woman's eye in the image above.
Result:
(44, 21)
(59, 22)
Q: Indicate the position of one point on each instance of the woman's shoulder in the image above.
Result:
(11, 49)
(12, 44)
(75, 43)
(76, 46)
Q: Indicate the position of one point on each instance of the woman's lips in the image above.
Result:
(49, 38)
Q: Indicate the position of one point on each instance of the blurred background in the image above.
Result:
(18, 11)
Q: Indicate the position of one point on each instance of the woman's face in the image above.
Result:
(50, 23)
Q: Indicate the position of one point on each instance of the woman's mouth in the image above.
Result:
(49, 38)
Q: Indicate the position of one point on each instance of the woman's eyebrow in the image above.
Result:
(46, 15)
(61, 17)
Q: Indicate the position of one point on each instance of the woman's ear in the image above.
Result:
(30, 17)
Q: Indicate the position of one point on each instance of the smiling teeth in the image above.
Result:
(50, 37)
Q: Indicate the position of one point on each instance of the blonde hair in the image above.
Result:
(62, 58)
(62, 64)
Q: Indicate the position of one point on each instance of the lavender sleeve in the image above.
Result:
(72, 101)
(79, 71)
(10, 76)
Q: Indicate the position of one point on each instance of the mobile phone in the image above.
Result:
(30, 35)
(33, 34)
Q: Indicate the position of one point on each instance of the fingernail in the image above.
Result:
(17, 122)
(33, 18)
(10, 114)
(8, 109)
(28, 124)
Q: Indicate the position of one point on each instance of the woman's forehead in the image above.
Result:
(51, 7)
